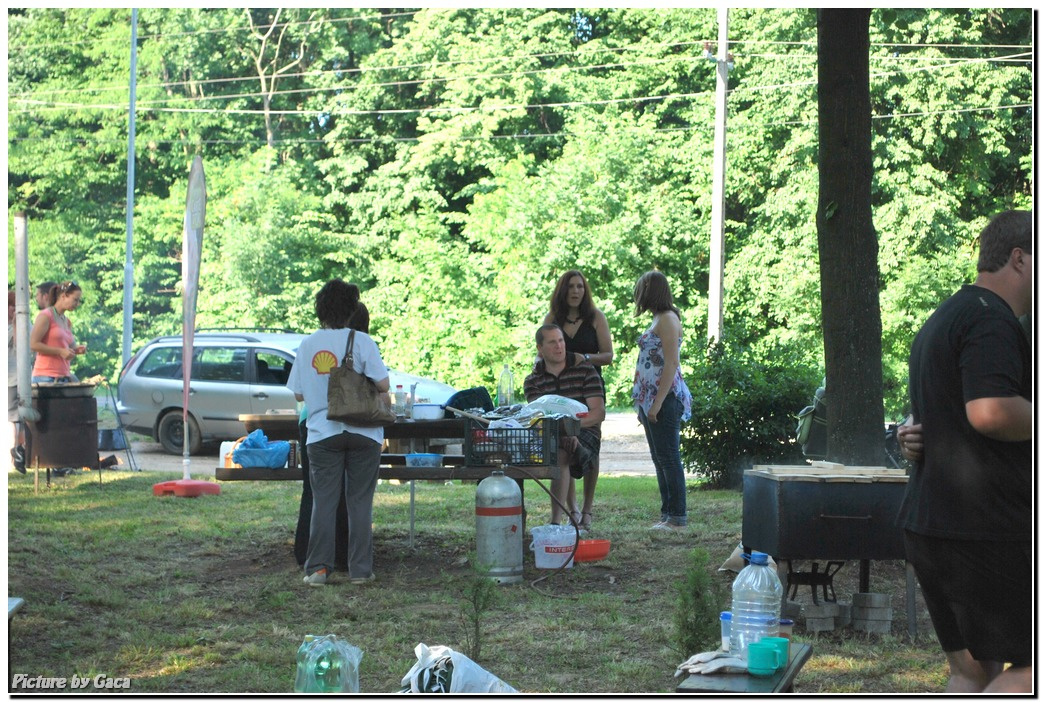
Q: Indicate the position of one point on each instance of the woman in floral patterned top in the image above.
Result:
(661, 397)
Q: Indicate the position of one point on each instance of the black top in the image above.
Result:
(968, 486)
(584, 341)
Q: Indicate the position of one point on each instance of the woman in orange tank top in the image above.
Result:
(51, 338)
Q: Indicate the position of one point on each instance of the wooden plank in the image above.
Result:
(398, 473)
(285, 426)
(835, 469)
(259, 474)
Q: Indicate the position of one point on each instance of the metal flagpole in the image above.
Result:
(128, 266)
(191, 255)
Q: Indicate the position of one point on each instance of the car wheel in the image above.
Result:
(171, 434)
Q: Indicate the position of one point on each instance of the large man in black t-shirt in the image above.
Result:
(968, 511)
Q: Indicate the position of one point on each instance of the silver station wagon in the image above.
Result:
(233, 373)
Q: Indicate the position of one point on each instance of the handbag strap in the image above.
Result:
(348, 356)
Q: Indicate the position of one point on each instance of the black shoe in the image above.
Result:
(109, 462)
(18, 455)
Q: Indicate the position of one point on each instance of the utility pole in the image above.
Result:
(128, 266)
(715, 261)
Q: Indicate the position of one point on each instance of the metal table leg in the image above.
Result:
(411, 512)
(912, 604)
(411, 501)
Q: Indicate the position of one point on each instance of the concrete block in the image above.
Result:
(822, 624)
(843, 618)
(830, 609)
(872, 627)
(874, 614)
(872, 599)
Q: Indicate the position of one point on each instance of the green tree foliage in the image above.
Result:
(743, 411)
(453, 162)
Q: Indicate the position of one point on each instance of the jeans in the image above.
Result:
(53, 379)
(303, 522)
(348, 465)
(663, 437)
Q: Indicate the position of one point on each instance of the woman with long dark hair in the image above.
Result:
(661, 397)
(343, 458)
(587, 339)
(51, 338)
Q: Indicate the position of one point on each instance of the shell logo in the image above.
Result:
(323, 362)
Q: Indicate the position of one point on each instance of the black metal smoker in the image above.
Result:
(833, 513)
(66, 435)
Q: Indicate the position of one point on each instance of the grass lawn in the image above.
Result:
(203, 595)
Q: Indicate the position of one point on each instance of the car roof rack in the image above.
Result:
(258, 330)
(241, 334)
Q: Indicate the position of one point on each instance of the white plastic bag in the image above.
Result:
(555, 404)
(466, 676)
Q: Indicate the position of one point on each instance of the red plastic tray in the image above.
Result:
(185, 488)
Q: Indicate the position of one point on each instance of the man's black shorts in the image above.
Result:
(980, 595)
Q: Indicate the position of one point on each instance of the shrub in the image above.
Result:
(479, 593)
(701, 599)
(743, 412)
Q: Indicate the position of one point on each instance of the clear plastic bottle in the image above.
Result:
(726, 619)
(756, 606)
(328, 669)
(320, 665)
(504, 394)
(399, 401)
(301, 664)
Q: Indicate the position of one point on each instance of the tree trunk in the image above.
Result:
(847, 243)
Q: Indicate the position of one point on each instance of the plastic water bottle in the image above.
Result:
(505, 391)
(320, 665)
(328, 670)
(399, 401)
(301, 663)
(756, 605)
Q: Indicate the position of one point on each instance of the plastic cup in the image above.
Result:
(781, 644)
(763, 659)
(725, 621)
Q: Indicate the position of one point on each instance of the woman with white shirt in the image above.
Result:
(343, 457)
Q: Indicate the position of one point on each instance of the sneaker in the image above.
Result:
(317, 578)
(669, 526)
(363, 581)
(18, 456)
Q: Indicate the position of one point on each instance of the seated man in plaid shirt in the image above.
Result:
(578, 456)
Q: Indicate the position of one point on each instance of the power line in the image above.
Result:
(676, 58)
(739, 90)
(398, 111)
(368, 140)
(413, 66)
(163, 35)
(574, 53)
(391, 84)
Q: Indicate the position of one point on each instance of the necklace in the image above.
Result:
(60, 318)
(572, 321)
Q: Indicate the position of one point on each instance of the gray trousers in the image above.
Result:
(350, 464)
